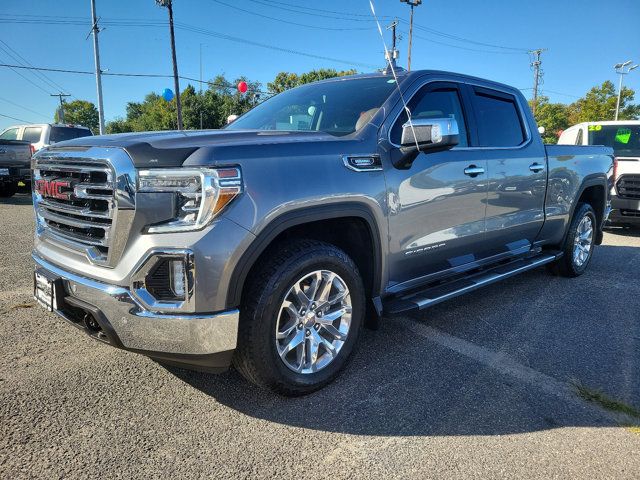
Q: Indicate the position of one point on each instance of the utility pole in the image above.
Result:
(537, 75)
(61, 97)
(620, 70)
(412, 4)
(176, 83)
(96, 54)
(393, 54)
(200, 86)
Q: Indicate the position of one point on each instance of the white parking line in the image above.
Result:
(506, 365)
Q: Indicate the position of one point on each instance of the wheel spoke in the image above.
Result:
(338, 297)
(293, 343)
(281, 335)
(314, 349)
(334, 332)
(331, 317)
(315, 286)
(329, 346)
(325, 290)
(300, 297)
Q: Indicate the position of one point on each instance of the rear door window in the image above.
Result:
(10, 134)
(498, 119)
(32, 134)
(60, 134)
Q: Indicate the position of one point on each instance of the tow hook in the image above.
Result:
(90, 322)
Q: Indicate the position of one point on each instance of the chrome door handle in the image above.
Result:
(536, 167)
(473, 171)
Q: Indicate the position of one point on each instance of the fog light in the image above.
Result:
(177, 278)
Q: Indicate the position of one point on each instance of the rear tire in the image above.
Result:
(579, 244)
(8, 189)
(287, 340)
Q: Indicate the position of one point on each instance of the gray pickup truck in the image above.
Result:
(270, 243)
(15, 162)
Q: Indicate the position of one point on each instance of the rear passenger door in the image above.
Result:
(516, 170)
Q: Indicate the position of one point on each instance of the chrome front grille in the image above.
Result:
(84, 200)
(628, 186)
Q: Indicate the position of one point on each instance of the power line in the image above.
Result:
(14, 67)
(23, 107)
(14, 118)
(120, 74)
(318, 27)
(23, 61)
(270, 47)
(438, 42)
(463, 39)
(312, 11)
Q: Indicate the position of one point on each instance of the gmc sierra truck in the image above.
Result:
(15, 162)
(268, 244)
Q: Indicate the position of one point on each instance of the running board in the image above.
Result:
(435, 294)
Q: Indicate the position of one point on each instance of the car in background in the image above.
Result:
(15, 164)
(624, 137)
(44, 134)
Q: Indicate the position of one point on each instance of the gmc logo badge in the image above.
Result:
(54, 189)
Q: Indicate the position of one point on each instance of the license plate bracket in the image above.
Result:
(45, 290)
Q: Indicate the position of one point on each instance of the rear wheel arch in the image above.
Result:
(359, 236)
(594, 192)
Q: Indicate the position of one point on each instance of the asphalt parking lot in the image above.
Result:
(534, 377)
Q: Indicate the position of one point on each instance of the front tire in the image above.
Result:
(580, 242)
(300, 319)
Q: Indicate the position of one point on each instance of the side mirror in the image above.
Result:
(430, 134)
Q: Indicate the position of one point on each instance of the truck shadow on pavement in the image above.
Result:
(405, 381)
(17, 199)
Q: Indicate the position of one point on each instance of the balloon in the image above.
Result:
(167, 94)
(242, 87)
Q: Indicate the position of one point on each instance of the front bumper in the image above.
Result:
(625, 211)
(201, 341)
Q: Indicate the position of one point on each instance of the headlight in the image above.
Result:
(200, 194)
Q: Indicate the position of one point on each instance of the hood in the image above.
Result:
(201, 147)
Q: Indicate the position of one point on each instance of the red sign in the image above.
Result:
(54, 189)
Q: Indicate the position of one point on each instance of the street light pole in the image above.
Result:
(176, 83)
(96, 53)
(411, 3)
(201, 86)
(620, 70)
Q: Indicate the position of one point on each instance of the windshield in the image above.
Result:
(625, 139)
(338, 108)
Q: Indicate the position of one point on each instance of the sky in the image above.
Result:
(486, 38)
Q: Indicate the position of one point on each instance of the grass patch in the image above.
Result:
(606, 402)
(18, 306)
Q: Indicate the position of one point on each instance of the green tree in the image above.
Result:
(287, 80)
(554, 117)
(80, 112)
(600, 104)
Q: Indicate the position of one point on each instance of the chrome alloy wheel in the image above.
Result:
(583, 241)
(313, 321)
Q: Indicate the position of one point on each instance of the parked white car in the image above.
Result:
(624, 137)
(42, 135)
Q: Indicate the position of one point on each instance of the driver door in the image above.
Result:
(437, 205)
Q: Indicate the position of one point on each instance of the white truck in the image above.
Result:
(41, 135)
(624, 137)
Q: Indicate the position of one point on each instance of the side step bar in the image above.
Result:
(435, 294)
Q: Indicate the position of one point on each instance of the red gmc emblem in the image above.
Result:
(54, 189)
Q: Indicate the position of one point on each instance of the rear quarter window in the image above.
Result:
(498, 119)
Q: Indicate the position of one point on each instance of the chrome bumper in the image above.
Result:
(141, 330)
